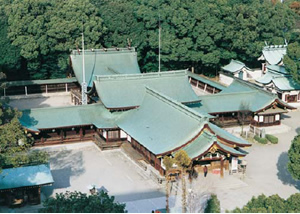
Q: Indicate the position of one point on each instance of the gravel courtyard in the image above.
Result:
(76, 166)
(266, 171)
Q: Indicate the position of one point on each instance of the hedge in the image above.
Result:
(260, 140)
(272, 138)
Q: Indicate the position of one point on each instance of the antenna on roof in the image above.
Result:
(159, 43)
(83, 84)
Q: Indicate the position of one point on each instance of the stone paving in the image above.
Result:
(41, 100)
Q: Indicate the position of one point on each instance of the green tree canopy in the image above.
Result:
(46, 30)
(14, 143)
(182, 159)
(213, 205)
(77, 202)
(292, 60)
(294, 158)
(271, 204)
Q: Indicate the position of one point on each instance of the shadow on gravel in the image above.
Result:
(64, 165)
(283, 173)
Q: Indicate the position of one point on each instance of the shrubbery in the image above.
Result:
(272, 138)
(213, 205)
(271, 204)
(260, 140)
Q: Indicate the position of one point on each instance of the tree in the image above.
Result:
(168, 162)
(75, 202)
(213, 205)
(292, 60)
(14, 143)
(52, 29)
(293, 203)
(263, 204)
(294, 158)
(271, 204)
(183, 161)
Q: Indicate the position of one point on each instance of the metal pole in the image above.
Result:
(159, 44)
(83, 85)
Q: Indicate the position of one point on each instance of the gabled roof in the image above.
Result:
(57, 117)
(127, 91)
(280, 69)
(200, 145)
(163, 125)
(273, 54)
(104, 62)
(280, 78)
(26, 176)
(234, 66)
(206, 80)
(268, 77)
(286, 83)
(240, 95)
(239, 86)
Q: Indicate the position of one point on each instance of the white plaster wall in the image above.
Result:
(105, 134)
(225, 79)
(255, 74)
(123, 134)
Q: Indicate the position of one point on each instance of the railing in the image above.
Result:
(103, 145)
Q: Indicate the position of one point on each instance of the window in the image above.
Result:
(113, 134)
(269, 119)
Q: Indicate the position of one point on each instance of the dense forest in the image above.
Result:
(36, 36)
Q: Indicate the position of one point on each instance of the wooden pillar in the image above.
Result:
(205, 87)
(66, 87)
(42, 139)
(39, 195)
(222, 168)
(62, 135)
(214, 90)
(26, 90)
(81, 133)
(46, 89)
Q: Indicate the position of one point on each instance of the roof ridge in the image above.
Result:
(188, 111)
(237, 61)
(272, 47)
(257, 88)
(140, 76)
(62, 107)
(229, 93)
(104, 50)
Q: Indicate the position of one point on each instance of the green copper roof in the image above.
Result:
(268, 77)
(274, 54)
(25, 176)
(234, 66)
(104, 62)
(231, 150)
(40, 82)
(286, 83)
(206, 80)
(122, 91)
(238, 86)
(161, 125)
(226, 135)
(280, 69)
(200, 145)
(56, 117)
(240, 95)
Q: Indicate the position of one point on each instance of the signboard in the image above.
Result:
(234, 164)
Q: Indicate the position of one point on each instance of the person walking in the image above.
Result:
(205, 170)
